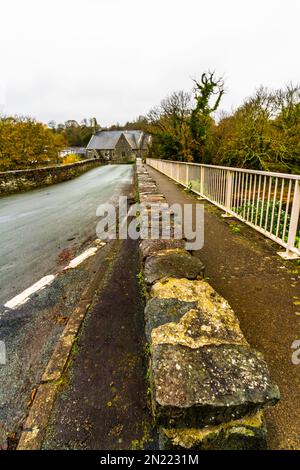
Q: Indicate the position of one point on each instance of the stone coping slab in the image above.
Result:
(173, 262)
(163, 311)
(209, 385)
(209, 320)
(248, 433)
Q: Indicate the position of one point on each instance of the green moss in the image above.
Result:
(207, 438)
(65, 378)
(189, 189)
(139, 444)
(147, 349)
(142, 285)
(235, 228)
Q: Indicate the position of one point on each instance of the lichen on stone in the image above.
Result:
(200, 327)
(211, 321)
(245, 433)
(208, 385)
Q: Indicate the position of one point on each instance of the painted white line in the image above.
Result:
(79, 259)
(24, 296)
(47, 280)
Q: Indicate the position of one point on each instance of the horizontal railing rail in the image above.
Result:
(268, 202)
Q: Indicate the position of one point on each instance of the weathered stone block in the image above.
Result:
(147, 187)
(248, 433)
(196, 328)
(157, 205)
(161, 311)
(152, 198)
(208, 385)
(172, 263)
(154, 229)
(203, 370)
(166, 233)
(149, 247)
(210, 321)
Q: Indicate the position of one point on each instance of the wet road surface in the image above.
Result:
(37, 227)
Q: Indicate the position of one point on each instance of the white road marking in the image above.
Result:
(24, 296)
(79, 259)
(47, 280)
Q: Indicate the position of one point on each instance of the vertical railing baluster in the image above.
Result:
(187, 175)
(258, 199)
(280, 208)
(239, 192)
(268, 203)
(294, 218)
(228, 190)
(253, 199)
(263, 202)
(287, 210)
(245, 196)
(249, 195)
(274, 205)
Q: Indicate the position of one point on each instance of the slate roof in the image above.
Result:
(107, 140)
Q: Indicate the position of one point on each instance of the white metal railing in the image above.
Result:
(268, 202)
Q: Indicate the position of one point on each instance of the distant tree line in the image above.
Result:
(75, 134)
(26, 143)
(78, 134)
(140, 123)
(263, 133)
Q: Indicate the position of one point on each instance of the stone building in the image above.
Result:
(119, 146)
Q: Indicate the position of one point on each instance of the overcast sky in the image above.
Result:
(115, 59)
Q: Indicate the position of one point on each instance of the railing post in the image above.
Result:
(202, 180)
(177, 172)
(228, 197)
(186, 174)
(293, 228)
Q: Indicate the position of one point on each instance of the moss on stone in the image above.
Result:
(245, 433)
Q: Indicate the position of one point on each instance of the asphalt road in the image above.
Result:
(38, 226)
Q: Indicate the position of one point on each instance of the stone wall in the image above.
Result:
(208, 386)
(121, 154)
(123, 151)
(22, 180)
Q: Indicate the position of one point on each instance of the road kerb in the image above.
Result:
(36, 422)
(35, 426)
(61, 353)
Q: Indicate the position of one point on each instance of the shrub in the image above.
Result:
(71, 158)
